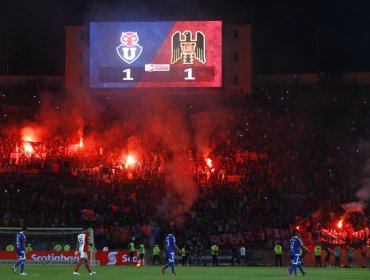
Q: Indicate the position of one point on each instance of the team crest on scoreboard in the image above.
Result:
(184, 46)
(129, 50)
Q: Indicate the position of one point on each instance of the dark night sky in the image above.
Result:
(285, 33)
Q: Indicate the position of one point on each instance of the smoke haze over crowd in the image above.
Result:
(124, 125)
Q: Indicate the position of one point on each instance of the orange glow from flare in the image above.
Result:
(130, 161)
(27, 138)
(209, 162)
(81, 143)
(31, 133)
(340, 224)
(28, 134)
(28, 148)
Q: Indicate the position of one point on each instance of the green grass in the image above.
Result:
(64, 272)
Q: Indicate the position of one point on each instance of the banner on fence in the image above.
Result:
(236, 238)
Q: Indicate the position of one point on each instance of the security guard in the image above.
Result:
(156, 252)
(141, 253)
(29, 248)
(214, 252)
(278, 250)
(184, 256)
(317, 251)
(58, 248)
(10, 248)
(131, 248)
(66, 248)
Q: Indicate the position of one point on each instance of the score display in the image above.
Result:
(155, 54)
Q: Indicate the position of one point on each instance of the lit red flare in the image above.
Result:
(28, 148)
(130, 161)
(28, 134)
(340, 224)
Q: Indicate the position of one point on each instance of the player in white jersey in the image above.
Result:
(83, 242)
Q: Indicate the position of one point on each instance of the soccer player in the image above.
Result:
(170, 245)
(83, 240)
(295, 244)
(21, 251)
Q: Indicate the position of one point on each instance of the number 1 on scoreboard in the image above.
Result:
(128, 77)
(189, 71)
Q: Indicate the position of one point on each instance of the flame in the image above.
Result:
(28, 148)
(80, 135)
(130, 161)
(209, 162)
(340, 224)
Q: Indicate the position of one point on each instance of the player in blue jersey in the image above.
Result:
(296, 244)
(21, 251)
(170, 246)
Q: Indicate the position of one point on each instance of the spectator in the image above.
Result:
(350, 255)
(337, 253)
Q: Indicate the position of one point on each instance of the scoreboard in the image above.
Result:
(155, 54)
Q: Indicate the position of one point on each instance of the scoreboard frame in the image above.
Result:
(155, 54)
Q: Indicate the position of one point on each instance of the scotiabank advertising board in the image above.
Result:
(114, 258)
(105, 258)
(42, 256)
(155, 54)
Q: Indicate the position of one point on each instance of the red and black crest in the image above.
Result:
(184, 46)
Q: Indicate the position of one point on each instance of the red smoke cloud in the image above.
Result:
(127, 124)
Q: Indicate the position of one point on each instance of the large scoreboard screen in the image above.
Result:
(155, 54)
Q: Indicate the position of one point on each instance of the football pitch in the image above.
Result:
(64, 272)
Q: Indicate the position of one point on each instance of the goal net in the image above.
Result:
(44, 245)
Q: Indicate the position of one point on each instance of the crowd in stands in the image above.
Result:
(291, 152)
